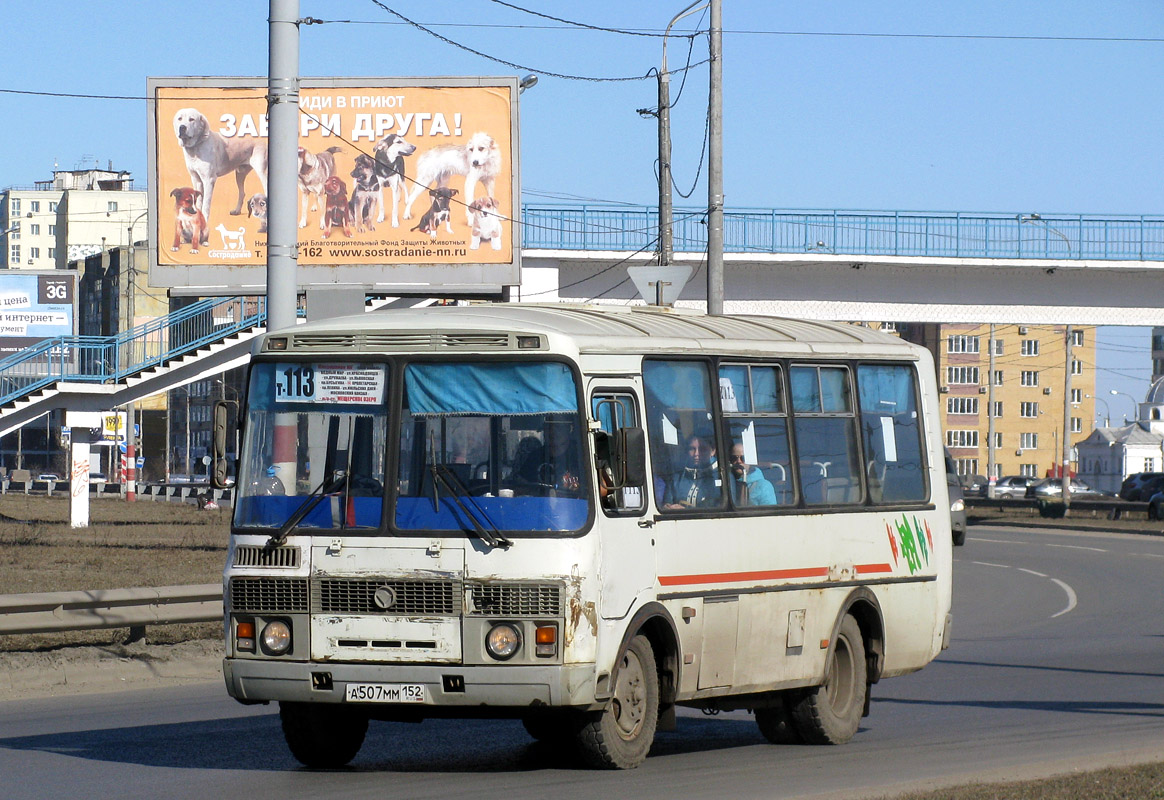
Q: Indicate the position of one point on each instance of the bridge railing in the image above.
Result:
(868, 233)
(109, 359)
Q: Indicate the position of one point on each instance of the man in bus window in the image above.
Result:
(749, 486)
(561, 469)
(697, 484)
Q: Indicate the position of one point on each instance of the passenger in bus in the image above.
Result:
(697, 484)
(561, 469)
(749, 486)
(527, 460)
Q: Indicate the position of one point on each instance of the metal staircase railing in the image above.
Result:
(111, 359)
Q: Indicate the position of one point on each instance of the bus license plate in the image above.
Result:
(385, 693)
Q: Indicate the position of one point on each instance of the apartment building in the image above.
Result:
(1028, 380)
(74, 215)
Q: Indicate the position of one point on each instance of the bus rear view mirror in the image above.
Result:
(632, 456)
(220, 436)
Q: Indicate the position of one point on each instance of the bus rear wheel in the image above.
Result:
(831, 713)
(322, 735)
(620, 736)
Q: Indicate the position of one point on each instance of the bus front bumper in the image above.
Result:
(447, 686)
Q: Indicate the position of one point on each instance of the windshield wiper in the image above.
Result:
(338, 479)
(457, 490)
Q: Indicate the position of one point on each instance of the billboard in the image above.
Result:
(403, 183)
(35, 307)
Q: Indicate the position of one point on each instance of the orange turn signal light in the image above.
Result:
(546, 634)
(245, 630)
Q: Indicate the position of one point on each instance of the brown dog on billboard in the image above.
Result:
(189, 223)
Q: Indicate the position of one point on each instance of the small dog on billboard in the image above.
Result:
(438, 213)
(479, 160)
(314, 170)
(257, 208)
(486, 223)
(338, 211)
(189, 221)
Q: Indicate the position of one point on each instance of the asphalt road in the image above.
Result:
(1056, 665)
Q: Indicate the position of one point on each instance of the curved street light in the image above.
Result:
(1135, 406)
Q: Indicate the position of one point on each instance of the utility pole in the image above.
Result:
(715, 165)
(130, 438)
(1066, 438)
(666, 240)
(283, 140)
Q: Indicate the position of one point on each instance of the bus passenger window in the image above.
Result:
(614, 410)
(826, 435)
(892, 433)
(752, 399)
(686, 472)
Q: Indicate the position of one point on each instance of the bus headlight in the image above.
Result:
(276, 638)
(503, 641)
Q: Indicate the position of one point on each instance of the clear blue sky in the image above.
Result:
(873, 104)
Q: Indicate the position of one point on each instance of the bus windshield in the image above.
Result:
(311, 425)
(492, 444)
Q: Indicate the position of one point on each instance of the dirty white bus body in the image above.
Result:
(583, 518)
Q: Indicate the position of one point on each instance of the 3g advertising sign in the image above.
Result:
(34, 308)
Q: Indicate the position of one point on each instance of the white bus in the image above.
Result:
(583, 518)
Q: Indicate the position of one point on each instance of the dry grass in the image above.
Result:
(1144, 782)
(126, 545)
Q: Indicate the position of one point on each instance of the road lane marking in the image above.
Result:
(1070, 598)
(1078, 547)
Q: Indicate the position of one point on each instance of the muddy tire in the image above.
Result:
(322, 735)
(620, 736)
(831, 713)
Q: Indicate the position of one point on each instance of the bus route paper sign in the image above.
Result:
(349, 384)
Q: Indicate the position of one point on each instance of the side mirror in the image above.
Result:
(220, 437)
(631, 455)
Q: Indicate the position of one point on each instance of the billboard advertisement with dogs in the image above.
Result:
(401, 183)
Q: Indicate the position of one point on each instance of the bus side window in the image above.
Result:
(614, 410)
(758, 456)
(826, 434)
(891, 428)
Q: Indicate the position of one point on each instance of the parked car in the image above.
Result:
(957, 502)
(1142, 485)
(48, 476)
(974, 485)
(1053, 487)
(1012, 486)
(1156, 506)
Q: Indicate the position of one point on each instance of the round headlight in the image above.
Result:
(503, 641)
(957, 505)
(276, 638)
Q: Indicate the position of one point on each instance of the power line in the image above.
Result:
(571, 23)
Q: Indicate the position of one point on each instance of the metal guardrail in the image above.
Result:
(53, 612)
(1113, 508)
(109, 359)
(870, 233)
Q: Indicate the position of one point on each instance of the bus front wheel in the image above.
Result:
(831, 713)
(322, 735)
(620, 736)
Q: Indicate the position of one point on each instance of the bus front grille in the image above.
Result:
(404, 341)
(384, 596)
(254, 555)
(515, 599)
(266, 595)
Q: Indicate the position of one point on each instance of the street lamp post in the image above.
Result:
(130, 313)
(1135, 406)
(1106, 412)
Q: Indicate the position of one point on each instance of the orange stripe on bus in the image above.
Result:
(869, 569)
(739, 577)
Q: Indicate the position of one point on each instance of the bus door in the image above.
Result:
(628, 560)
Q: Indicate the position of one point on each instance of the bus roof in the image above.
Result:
(592, 329)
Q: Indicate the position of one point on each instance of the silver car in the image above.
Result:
(1012, 486)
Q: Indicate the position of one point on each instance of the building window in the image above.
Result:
(52, 252)
(52, 230)
(1077, 337)
(1029, 470)
(996, 412)
(14, 234)
(1076, 425)
(1029, 441)
(1028, 409)
(967, 466)
(997, 343)
(998, 440)
(53, 205)
(961, 374)
(14, 206)
(961, 344)
(1076, 367)
(889, 327)
(34, 229)
(998, 377)
(14, 254)
(34, 252)
(961, 438)
(1076, 396)
(111, 205)
(1149, 464)
(1029, 377)
(1029, 347)
(34, 206)
(962, 405)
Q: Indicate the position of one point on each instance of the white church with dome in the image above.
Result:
(1110, 454)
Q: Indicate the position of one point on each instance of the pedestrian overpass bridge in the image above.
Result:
(849, 265)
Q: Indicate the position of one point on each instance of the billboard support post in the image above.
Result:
(282, 201)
